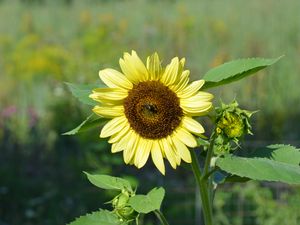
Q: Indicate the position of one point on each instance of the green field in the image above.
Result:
(44, 43)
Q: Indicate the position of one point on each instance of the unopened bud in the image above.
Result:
(121, 207)
(232, 123)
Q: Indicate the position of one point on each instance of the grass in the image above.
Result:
(92, 35)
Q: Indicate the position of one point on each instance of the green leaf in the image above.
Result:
(82, 92)
(87, 124)
(202, 142)
(260, 169)
(281, 153)
(220, 177)
(109, 182)
(147, 203)
(235, 70)
(97, 218)
(234, 178)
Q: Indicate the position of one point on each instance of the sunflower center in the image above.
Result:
(152, 109)
(149, 110)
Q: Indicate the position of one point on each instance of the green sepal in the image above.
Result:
(121, 207)
(202, 142)
(235, 70)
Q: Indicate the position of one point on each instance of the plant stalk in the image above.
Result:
(161, 217)
(208, 156)
(203, 189)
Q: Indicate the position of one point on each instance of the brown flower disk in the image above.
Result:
(153, 110)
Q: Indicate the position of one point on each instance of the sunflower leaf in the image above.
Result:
(87, 124)
(235, 178)
(82, 92)
(235, 70)
(147, 203)
(260, 169)
(281, 153)
(109, 182)
(220, 177)
(100, 217)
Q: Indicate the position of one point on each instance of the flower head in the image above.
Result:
(232, 120)
(151, 110)
(232, 123)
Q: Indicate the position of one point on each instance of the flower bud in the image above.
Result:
(232, 123)
(121, 208)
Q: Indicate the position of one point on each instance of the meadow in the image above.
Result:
(46, 43)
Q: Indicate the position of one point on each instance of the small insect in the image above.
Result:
(150, 109)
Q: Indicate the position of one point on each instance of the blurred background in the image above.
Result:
(44, 43)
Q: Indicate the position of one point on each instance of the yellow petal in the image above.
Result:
(182, 150)
(171, 73)
(193, 109)
(198, 104)
(108, 94)
(192, 125)
(139, 65)
(114, 79)
(191, 89)
(182, 83)
(131, 147)
(133, 67)
(200, 96)
(157, 157)
(154, 66)
(177, 156)
(113, 126)
(129, 71)
(168, 151)
(180, 68)
(182, 62)
(121, 144)
(186, 137)
(110, 112)
(142, 153)
(117, 147)
(117, 136)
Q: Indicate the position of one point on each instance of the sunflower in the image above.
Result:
(151, 110)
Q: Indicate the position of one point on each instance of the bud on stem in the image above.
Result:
(232, 123)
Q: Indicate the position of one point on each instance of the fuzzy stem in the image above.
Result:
(161, 217)
(203, 189)
(209, 154)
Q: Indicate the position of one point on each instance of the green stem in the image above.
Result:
(203, 189)
(207, 175)
(161, 217)
(209, 154)
(207, 171)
